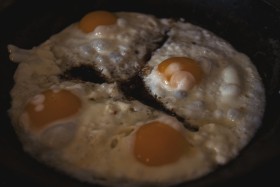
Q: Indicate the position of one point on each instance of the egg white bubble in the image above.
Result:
(59, 135)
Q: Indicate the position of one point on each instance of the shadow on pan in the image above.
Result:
(250, 26)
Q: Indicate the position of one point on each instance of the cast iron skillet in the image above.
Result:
(251, 26)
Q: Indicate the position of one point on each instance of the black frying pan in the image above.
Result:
(251, 26)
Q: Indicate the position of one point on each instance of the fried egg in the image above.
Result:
(87, 131)
(95, 133)
(103, 144)
(115, 44)
(206, 81)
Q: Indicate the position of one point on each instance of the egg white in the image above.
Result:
(96, 145)
(117, 51)
(102, 144)
(229, 99)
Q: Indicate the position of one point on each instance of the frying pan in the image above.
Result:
(251, 26)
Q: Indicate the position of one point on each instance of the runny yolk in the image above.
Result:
(93, 19)
(179, 70)
(158, 144)
(50, 106)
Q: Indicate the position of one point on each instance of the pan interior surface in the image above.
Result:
(250, 26)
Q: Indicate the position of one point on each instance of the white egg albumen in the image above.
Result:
(117, 51)
(85, 147)
(227, 105)
(36, 71)
(96, 145)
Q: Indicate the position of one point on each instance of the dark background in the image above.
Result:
(251, 26)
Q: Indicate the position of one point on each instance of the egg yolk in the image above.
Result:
(50, 106)
(93, 19)
(179, 70)
(158, 144)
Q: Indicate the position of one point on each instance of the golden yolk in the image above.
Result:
(50, 106)
(93, 19)
(180, 64)
(158, 144)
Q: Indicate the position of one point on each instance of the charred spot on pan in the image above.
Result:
(84, 73)
(157, 44)
(135, 89)
(136, 52)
